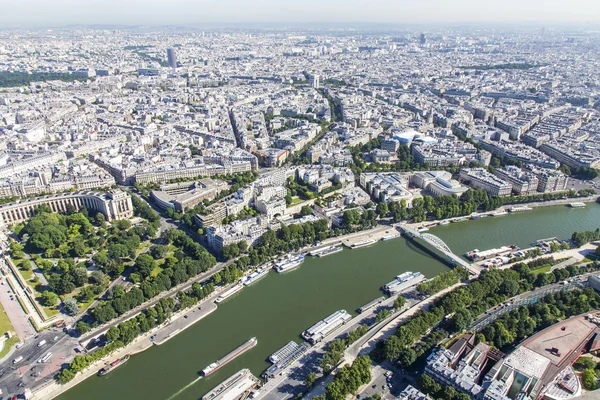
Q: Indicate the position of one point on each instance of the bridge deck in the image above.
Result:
(439, 245)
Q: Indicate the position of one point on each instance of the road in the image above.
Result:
(290, 383)
(23, 372)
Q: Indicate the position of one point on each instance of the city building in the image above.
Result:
(172, 57)
(438, 183)
(179, 196)
(524, 183)
(386, 186)
(479, 178)
(115, 204)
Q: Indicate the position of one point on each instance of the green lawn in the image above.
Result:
(26, 274)
(6, 326)
(541, 270)
(156, 271)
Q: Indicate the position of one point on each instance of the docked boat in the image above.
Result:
(477, 255)
(288, 265)
(327, 252)
(229, 292)
(424, 229)
(390, 237)
(230, 356)
(499, 213)
(444, 222)
(403, 281)
(318, 331)
(518, 209)
(461, 219)
(577, 204)
(256, 275)
(362, 243)
(316, 252)
(117, 363)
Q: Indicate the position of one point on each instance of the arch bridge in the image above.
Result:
(442, 247)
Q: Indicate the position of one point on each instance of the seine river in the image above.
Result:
(280, 306)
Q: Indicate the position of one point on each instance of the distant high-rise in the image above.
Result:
(314, 81)
(422, 39)
(172, 58)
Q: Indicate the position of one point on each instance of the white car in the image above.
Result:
(19, 344)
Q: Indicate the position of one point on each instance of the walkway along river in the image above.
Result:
(280, 306)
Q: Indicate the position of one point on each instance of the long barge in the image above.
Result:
(403, 281)
(288, 265)
(477, 255)
(117, 363)
(330, 251)
(318, 331)
(229, 292)
(253, 277)
(362, 243)
(230, 356)
(371, 304)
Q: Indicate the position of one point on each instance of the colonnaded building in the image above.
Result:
(115, 204)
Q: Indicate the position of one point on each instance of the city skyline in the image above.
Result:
(37, 13)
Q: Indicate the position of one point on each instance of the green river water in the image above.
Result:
(280, 306)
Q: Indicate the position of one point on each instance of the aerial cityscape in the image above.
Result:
(275, 212)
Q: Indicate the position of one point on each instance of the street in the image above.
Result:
(29, 371)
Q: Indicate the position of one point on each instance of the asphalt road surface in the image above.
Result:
(29, 373)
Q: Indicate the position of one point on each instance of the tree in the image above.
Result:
(306, 210)
(585, 363)
(122, 224)
(113, 333)
(49, 298)
(82, 327)
(588, 379)
(392, 348)
(144, 265)
(117, 250)
(383, 314)
(310, 379)
(399, 303)
(25, 265)
(158, 251)
(382, 209)
(66, 375)
(70, 306)
(16, 250)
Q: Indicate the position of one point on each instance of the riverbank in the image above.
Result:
(255, 311)
(176, 324)
(535, 204)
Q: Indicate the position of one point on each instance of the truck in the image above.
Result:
(18, 359)
(40, 344)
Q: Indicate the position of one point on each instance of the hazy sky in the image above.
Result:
(158, 12)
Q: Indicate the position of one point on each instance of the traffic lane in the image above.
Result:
(32, 353)
(15, 313)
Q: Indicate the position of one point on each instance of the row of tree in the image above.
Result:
(335, 351)
(519, 324)
(456, 310)
(349, 379)
(443, 281)
(581, 238)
